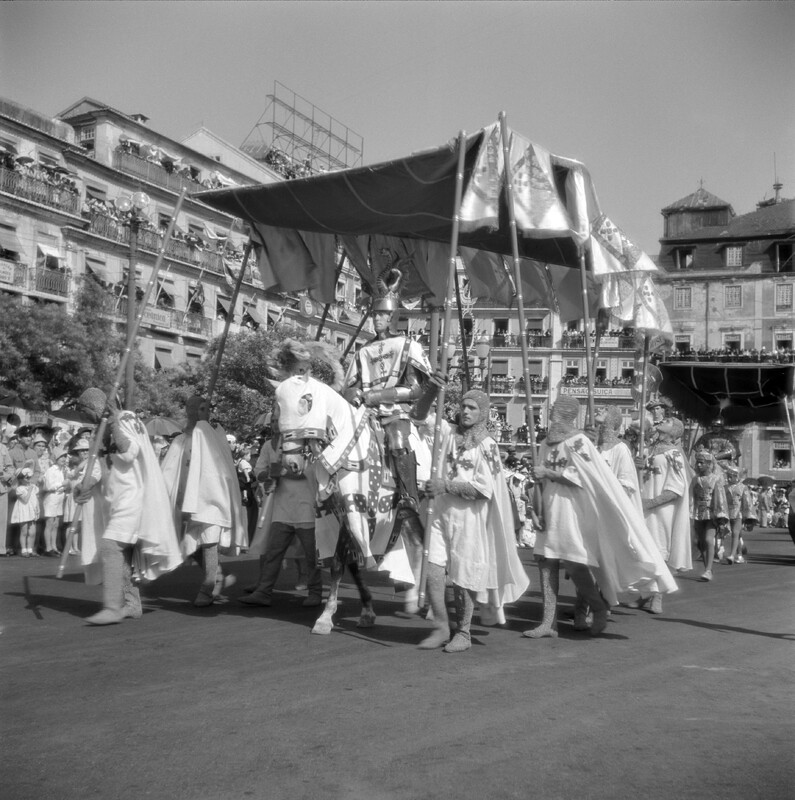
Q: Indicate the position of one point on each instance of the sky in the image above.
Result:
(655, 98)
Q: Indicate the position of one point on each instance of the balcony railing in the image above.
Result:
(39, 190)
(154, 173)
(34, 279)
(167, 318)
(513, 340)
(150, 240)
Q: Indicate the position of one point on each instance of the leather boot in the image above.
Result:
(580, 613)
(549, 571)
(434, 588)
(405, 465)
(464, 608)
(586, 586)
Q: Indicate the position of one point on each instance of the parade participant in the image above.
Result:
(289, 520)
(665, 493)
(470, 527)
(615, 451)
(738, 499)
(202, 485)
(388, 374)
(6, 482)
(54, 486)
(709, 509)
(722, 448)
(93, 515)
(659, 408)
(26, 511)
(764, 503)
(139, 523)
(591, 525)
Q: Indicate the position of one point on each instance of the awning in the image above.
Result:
(9, 241)
(499, 367)
(99, 268)
(274, 316)
(736, 393)
(225, 304)
(46, 250)
(255, 315)
(164, 359)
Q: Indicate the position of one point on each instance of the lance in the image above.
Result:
(222, 343)
(327, 306)
(121, 369)
(442, 360)
(365, 315)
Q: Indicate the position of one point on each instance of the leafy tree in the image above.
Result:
(43, 352)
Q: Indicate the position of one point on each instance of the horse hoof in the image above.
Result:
(367, 620)
(323, 627)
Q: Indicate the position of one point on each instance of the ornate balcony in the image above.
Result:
(153, 172)
(169, 319)
(151, 240)
(48, 192)
(34, 279)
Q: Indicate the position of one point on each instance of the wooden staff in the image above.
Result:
(517, 277)
(537, 505)
(121, 369)
(587, 334)
(642, 416)
(464, 353)
(442, 360)
(222, 343)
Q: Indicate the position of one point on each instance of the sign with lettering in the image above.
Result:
(598, 391)
(6, 272)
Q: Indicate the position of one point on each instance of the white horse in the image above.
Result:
(357, 519)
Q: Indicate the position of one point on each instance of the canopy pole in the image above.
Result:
(326, 307)
(358, 330)
(789, 424)
(433, 343)
(517, 278)
(121, 371)
(587, 334)
(222, 344)
(440, 357)
(464, 356)
(642, 415)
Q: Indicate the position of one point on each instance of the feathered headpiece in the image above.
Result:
(387, 290)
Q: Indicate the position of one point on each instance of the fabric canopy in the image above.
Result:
(413, 197)
(379, 210)
(736, 393)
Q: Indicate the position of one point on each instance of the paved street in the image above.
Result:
(234, 702)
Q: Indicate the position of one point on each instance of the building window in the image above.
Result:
(627, 370)
(341, 343)
(734, 256)
(782, 340)
(683, 257)
(683, 298)
(733, 296)
(784, 297)
(10, 248)
(784, 262)
(601, 370)
(572, 368)
(733, 342)
(48, 257)
(339, 292)
(682, 343)
(780, 455)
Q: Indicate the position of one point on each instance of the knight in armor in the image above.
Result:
(389, 375)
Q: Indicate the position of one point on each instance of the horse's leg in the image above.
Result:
(367, 617)
(325, 622)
